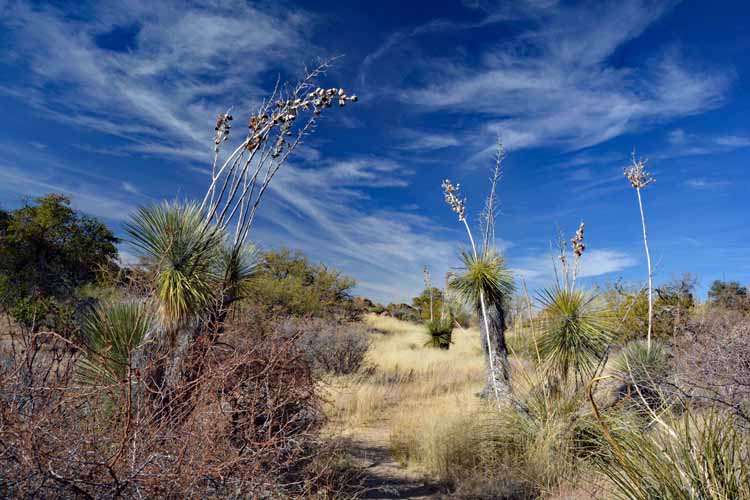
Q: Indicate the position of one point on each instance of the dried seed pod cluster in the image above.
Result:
(637, 175)
(451, 198)
(577, 242)
(284, 115)
(223, 126)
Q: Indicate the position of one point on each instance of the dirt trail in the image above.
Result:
(384, 477)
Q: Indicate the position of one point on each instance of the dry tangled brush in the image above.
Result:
(243, 426)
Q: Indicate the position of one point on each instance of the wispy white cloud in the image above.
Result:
(413, 140)
(325, 213)
(185, 65)
(16, 183)
(554, 83)
(683, 143)
(710, 184)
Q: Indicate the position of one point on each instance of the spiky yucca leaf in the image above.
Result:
(237, 264)
(112, 333)
(689, 457)
(183, 250)
(485, 274)
(575, 332)
(642, 371)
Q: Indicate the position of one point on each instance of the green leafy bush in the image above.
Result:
(287, 284)
(47, 252)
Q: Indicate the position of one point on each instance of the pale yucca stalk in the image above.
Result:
(428, 285)
(274, 131)
(485, 273)
(639, 178)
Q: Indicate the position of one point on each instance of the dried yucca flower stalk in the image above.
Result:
(639, 178)
(273, 133)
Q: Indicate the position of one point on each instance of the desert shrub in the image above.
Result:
(430, 298)
(47, 251)
(691, 456)
(333, 347)
(289, 285)
(403, 312)
(247, 427)
(526, 449)
(546, 439)
(729, 295)
(440, 332)
(712, 359)
(673, 306)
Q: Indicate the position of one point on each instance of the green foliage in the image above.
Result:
(45, 313)
(183, 250)
(112, 332)
(47, 250)
(574, 332)
(485, 275)
(440, 331)
(694, 457)
(673, 304)
(288, 284)
(729, 295)
(422, 302)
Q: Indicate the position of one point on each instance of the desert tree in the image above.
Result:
(485, 282)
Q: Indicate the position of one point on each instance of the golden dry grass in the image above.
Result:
(425, 400)
(422, 398)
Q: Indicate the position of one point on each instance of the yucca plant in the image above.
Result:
(575, 332)
(689, 457)
(183, 251)
(641, 371)
(485, 276)
(485, 284)
(440, 331)
(112, 333)
(237, 264)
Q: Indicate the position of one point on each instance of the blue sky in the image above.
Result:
(114, 103)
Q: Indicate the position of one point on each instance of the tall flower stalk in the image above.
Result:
(486, 283)
(639, 178)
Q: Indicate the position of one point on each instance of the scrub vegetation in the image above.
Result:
(210, 368)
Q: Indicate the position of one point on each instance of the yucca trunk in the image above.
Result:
(498, 370)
